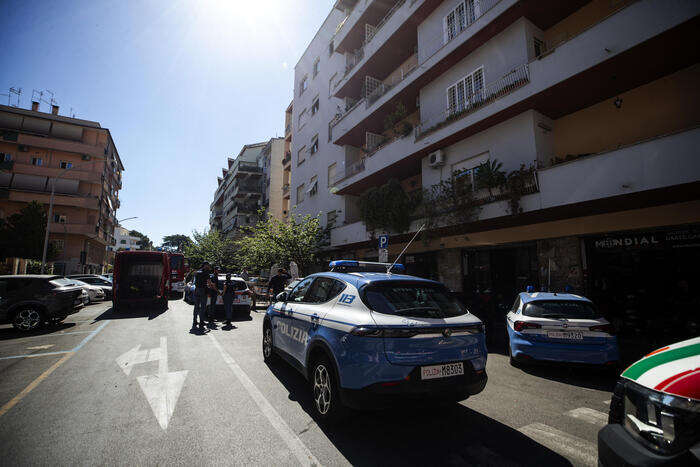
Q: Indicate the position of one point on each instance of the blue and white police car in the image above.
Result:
(364, 338)
(559, 327)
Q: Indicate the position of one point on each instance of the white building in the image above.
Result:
(124, 241)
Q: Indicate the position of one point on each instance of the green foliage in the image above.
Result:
(271, 241)
(386, 208)
(518, 183)
(446, 203)
(176, 242)
(489, 175)
(212, 246)
(145, 243)
(395, 117)
(22, 234)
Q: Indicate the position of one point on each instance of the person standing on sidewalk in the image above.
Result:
(228, 294)
(201, 279)
(277, 283)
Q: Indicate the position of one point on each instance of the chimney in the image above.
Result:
(35, 106)
(54, 109)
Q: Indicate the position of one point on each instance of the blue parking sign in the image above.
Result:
(383, 241)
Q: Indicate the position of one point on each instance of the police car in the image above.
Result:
(559, 327)
(363, 336)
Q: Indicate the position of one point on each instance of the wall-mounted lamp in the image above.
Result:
(618, 102)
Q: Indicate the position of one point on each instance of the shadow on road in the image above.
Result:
(129, 313)
(430, 435)
(585, 377)
(46, 330)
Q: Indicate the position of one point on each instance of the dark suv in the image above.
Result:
(29, 301)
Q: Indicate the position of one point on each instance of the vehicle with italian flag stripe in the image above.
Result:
(655, 410)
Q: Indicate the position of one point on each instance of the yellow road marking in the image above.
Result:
(34, 384)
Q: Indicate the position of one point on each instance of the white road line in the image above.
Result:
(53, 334)
(74, 349)
(300, 451)
(563, 443)
(589, 415)
(607, 402)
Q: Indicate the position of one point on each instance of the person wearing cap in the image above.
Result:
(201, 279)
(278, 282)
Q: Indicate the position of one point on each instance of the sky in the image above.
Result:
(181, 85)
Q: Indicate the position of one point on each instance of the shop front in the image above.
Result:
(647, 283)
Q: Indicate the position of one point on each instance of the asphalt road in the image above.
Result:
(134, 388)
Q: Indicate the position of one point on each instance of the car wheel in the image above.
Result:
(324, 391)
(28, 319)
(513, 361)
(267, 344)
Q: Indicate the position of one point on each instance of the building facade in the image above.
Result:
(79, 160)
(287, 160)
(589, 106)
(271, 160)
(125, 241)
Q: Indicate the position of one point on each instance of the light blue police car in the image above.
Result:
(559, 327)
(364, 337)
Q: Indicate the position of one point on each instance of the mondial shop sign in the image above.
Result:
(680, 238)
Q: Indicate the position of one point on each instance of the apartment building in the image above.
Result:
(79, 160)
(271, 159)
(287, 160)
(590, 106)
(239, 193)
(124, 240)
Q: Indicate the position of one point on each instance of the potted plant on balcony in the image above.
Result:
(518, 183)
(489, 175)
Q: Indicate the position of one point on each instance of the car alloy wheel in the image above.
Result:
(27, 319)
(322, 389)
(267, 343)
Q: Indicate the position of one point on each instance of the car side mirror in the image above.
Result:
(281, 297)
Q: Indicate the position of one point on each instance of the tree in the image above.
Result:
(176, 242)
(387, 207)
(271, 241)
(145, 243)
(22, 234)
(489, 175)
(212, 246)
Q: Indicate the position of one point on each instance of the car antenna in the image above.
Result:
(388, 271)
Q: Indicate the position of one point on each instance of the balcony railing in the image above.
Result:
(287, 128)
(247, 167)
(285, 188)
(287, 158)
(508, 83)
(350, 170)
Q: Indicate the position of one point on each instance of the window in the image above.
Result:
(300, 193)
(457, 20)
(331, 218)
(313, 149)
(331, 174)
(301, 155)
(303, 85)
(314, 107)
(466, 92)
(66, 165)
(299, 292)
(412, 300)
(316, 67)
(37, 161)
(313, 186)
(330, 84)
(58, 245)
(331, 48)
(561, 309)
(122, 242)
(5, 156)
(302, 118)
(324, 289)
(539, 46)
(60, 218)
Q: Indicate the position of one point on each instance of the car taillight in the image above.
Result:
(522, 325)
(603, 328)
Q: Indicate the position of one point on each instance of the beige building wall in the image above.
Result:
(276, 207)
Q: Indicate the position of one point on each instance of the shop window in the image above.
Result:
(37, 161)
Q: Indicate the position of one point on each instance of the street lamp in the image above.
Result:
(48, 219)
(127, 219)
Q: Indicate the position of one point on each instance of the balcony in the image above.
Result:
(26, 196)
(247, 169)
(52, 172)
(287, 158)
(244, 208)
(87, 230)
(285, 190)
(243, 191)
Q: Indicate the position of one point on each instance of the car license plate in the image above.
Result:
(442, 371)
(578, 336)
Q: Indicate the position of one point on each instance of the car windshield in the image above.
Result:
(412, 299)
(62, 282)
(570, 309)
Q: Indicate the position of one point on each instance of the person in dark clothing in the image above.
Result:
(228, 294)
(213, 286)
(201, 278)
(278, 282)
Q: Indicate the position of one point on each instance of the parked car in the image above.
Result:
(559, 327)
(85, 296)
(97, 281)
(366, 339)
(189, 292)
(29, 301)
(242, 301)
(95, 293)
(292, 284)
(109, 276)
(654, 414)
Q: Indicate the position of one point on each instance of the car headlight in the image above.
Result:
(664, 423)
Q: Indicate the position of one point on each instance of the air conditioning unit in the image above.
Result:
(436, 158)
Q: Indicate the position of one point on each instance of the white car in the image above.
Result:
(95, 293)
(241, 299)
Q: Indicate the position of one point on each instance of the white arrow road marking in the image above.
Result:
(589, 415)
(161, 390)
(40, 347)
(135, 356)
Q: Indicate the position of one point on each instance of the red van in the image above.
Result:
(141, 278)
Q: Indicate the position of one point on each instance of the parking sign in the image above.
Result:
(383, 241)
